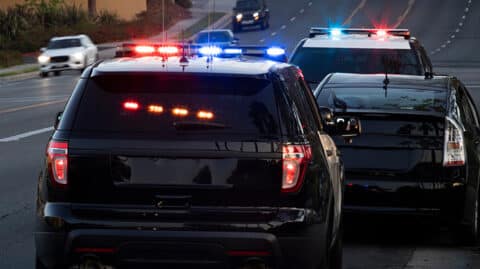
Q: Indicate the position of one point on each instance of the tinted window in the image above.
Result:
(213, 37)
(240, 106)
(395, 99)
(64, 43)
(248, 4)
(316, 63)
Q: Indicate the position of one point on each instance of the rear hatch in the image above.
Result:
(176, 141)
(400, 151)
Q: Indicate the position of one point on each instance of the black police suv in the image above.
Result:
(214, 163)
(247, 13)
(363, 51)
(419, 149)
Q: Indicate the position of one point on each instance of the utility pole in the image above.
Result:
(92, 7)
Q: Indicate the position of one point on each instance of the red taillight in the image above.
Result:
(381, 33)
(169, 50)
(131, 105)
(144, 49)
(453, 151)
(57, 153)
(295, 161)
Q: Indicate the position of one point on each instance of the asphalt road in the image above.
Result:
(448, 29)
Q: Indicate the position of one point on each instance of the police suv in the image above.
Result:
(166, 159)
(366, 51)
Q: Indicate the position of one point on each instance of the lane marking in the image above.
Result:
(25, 135)
(274, 34)
(292, 19)
(310, 4)
(15, 109)
(404, 15)
(283, 27)
(302, 10)
(354, 12)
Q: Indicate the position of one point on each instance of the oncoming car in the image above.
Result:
(67, 53)
(419, 152)
(364, 51)
(248, 13)
(196, 162)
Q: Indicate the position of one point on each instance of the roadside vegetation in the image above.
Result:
(27, 27)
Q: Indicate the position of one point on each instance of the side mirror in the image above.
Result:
(43, 50)
(57, 119)
(327, 116)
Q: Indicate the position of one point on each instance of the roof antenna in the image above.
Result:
(386, 81)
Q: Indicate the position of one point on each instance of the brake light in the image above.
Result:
(131, 105)
(155, 109)
(454, 151)
(381, 33)
(204, 115)
(144, 49)
(57, 154)
(168, 50)
(295, 161)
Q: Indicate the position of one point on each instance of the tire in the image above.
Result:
(57, 73)
(335, 257)
(43, 74)
(470, 234)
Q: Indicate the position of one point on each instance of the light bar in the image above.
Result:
(232, 51)
(168, 50)
(144, 49)
(314, 31)
(336, 32)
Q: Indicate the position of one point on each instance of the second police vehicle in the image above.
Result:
(163, 158)
(366, 51)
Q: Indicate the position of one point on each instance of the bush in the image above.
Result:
(9, 58)
(184, 3)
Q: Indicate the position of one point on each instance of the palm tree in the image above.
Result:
(92, 7)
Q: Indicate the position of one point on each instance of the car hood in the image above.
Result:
(63, 52)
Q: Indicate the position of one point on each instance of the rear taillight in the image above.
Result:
(57, 154)
(295, 161)
(454, 151)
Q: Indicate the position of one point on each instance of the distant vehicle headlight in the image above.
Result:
(78, 56)
(256, 15)
(42, 59)
(239, 16)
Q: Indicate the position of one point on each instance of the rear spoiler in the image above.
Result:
(316, 31)
(188, 50)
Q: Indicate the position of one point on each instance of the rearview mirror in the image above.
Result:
(57, 119)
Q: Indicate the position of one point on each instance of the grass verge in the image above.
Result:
(202, 24)
(23, 71)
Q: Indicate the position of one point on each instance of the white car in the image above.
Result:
(67, 53)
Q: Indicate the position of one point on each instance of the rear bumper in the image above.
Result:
(150, 246)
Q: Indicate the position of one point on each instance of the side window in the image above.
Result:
(312, 103)
(300, 101)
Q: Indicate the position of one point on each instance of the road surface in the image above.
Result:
(448, 29)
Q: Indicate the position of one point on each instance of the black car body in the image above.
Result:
(247, 13)
(214, 164)
(419, 149)
(362, 51)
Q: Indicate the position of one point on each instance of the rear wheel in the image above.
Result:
(470, 234)
(57, 73)
(43, 74)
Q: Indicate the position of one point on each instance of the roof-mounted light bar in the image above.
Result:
(169, 50)
(316, 31)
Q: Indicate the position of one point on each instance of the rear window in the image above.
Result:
(316, 63)
(175, 106)
(393, 99)
(64, 43)
(248, 4)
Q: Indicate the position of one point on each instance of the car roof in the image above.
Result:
(67, 37)
(358, 41)
(397, 81)
(234, 66)
(215, 31)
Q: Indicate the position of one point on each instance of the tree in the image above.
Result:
(92, 7)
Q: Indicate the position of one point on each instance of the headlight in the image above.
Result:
(256, 15)
(239, 16)
(78, 56)
(42, 59)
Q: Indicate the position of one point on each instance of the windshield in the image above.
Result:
(64, 43)
(233, 106)
(390, 99)
(316, 63)
(251, 4)
(213, 37)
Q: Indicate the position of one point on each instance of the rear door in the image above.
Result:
(178, 139)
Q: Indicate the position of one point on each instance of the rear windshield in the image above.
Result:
(316, 63)
(64, 43)
(213, 37)
(393, 99)
(176, 106)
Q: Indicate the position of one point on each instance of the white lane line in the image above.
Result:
(25, 135)
(302, 11)
(354, 12)
(262, 40)
(400, 20)
(292, 19)
(310, 4)
(283, 27)
(274, 34)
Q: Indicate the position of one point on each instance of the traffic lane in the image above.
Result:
(470, 76)
(378, 14)
(404, 242)
(20, 163)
